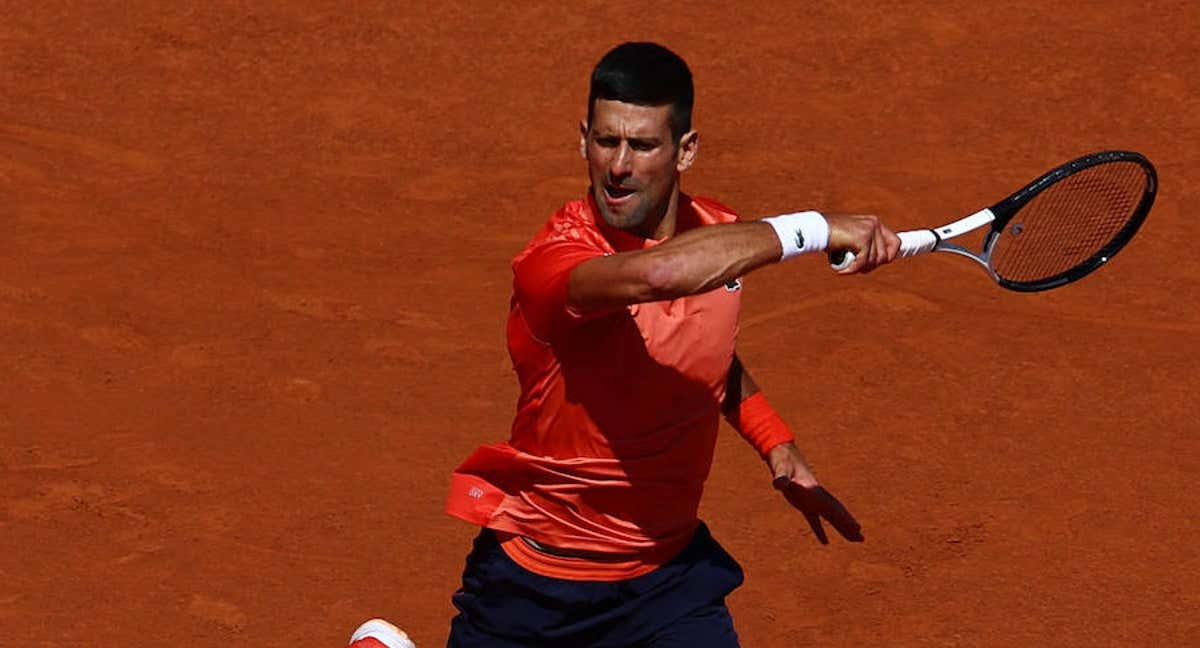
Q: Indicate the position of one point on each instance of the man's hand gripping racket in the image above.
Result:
(1055, 230)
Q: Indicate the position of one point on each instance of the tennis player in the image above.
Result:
(622, 332)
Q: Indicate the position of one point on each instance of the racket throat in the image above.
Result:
(969, 224)
(964, 225)
(983, 258)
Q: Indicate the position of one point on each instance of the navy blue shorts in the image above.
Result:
(682, 603)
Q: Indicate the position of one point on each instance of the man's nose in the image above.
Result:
(621, 164)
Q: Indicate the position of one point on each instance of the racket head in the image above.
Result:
(1070, 221)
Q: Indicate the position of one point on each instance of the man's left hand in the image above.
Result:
(795, 480)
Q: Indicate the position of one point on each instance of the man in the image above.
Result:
(622, 329)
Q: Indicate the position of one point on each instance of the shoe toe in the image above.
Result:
(382, 632)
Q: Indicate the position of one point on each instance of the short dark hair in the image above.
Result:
(646, 74)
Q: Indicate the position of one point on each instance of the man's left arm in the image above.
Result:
(747, 411)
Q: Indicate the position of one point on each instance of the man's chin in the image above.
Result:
(621, 220)
(627, 217)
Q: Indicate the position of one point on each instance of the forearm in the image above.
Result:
(707, 257)
(694, 262)
(701, 259)
(762, 427)
(748, 412)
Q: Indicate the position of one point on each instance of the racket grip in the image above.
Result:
(912, 243)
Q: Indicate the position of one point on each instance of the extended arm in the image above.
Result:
(694, 262)
(703, 258)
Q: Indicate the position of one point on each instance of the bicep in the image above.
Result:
(696, 261)
(610, 281)
(540, 286)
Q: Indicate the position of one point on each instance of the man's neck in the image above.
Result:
(666, 225)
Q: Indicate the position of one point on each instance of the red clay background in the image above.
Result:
(254, 274)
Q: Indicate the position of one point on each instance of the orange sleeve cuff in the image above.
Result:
(760, 424)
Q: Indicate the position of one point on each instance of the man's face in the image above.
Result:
(633, 163)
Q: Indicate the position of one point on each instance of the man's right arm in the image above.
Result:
(706, 257)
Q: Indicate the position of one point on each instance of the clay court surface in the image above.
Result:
(254, 275)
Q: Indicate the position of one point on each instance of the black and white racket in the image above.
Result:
(1055, 230)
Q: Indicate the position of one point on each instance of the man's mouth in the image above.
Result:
(617, 194)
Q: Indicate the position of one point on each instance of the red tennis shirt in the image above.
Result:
(618, 414)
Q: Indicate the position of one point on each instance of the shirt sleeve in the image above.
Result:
(540, 287)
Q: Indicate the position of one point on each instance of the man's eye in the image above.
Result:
(641, 146)
(607, 142)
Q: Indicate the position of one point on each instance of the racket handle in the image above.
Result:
(912, 243)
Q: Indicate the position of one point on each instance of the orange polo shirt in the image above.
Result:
(618, 414)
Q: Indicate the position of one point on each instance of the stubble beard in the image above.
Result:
(632, 220)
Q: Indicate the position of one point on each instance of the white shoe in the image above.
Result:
(382, 632)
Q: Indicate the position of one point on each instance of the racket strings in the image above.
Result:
(1070, 222)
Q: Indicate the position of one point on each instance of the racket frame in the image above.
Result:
(999, 215)
(1006, 209)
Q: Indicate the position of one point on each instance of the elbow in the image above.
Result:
(660, 279)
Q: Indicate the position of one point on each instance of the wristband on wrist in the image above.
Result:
(760, 424)
(800, 233)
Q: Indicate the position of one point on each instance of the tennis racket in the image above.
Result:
(1055, 230)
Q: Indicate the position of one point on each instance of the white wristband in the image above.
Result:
(801, 232)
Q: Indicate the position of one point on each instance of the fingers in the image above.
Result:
(841, 519)
(872, 242)
(891, 242)
(816, 503)
(879, 250)
(814, 522)
(866, 258)
(797, 497)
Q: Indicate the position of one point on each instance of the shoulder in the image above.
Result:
(712, 211)
(542, 270)
(573, 225)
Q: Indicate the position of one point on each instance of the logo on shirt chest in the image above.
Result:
(733, 286)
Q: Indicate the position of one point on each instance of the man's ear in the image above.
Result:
(689, 146)
(583, 130)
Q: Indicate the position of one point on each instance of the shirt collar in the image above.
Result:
(623, 241)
